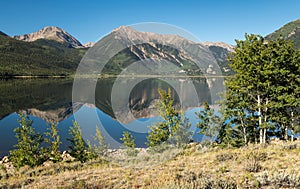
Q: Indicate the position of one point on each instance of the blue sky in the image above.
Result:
(210, 20)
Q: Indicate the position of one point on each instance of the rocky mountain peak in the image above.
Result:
(89, 44)
(51, 33)
(226, 46)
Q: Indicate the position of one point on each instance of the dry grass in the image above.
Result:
(272, 166)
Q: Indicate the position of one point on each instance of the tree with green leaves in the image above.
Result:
(54, 142)
(182, 135)
(27, 150)
(174, 124)
(129, 142)
(264, 82)
(79, 149)
(100, 148)
(209, 122)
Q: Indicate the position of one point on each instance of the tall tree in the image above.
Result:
(54, 142)
(174, 124)
(27, 150)
(209, 123)
(79, 149)
(264, 71)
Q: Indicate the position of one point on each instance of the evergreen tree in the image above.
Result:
(100, 147)
(53, 141)
(128, 141)
(79, 149)
(27, 150)
(174, 128)
(209, 123)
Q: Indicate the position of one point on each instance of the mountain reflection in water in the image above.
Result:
(51, 99)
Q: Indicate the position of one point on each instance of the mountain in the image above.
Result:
(3, 34)
(165, 47)
(290, 31)
(40, 57)
(88, 44)
(53, 51)
(51, 33)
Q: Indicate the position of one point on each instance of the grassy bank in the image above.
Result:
(273, 166)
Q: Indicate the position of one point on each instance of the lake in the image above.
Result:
(126, 104)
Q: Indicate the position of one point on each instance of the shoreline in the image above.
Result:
(111, 76)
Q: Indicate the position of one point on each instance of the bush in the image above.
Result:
(279, 179)
(225, 157)
(252, 160)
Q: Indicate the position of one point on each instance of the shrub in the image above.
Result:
(252, 160)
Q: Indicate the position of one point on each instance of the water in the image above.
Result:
(51, 99)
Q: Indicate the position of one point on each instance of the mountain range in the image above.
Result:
(53, 51)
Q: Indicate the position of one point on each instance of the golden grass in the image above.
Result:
(278, 166)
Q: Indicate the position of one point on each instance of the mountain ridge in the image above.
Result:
(51, 33)
(289, 31)
(173, 48)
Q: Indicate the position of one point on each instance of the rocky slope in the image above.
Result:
(165, 47)
(88, 44)
(290, 31)
(51, 33)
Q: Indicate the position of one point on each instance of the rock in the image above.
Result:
(4, 160)
(89, 44)
(48, 163)
(67, 157)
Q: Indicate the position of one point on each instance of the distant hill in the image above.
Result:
(289, 31)
(41, 57)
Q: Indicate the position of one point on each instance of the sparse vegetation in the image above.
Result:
(194, 168)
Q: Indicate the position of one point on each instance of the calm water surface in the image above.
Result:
(51, 99)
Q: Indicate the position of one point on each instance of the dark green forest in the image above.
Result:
(38, 58)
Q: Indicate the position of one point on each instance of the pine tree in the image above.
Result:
(27, 150)
(209, 123)
(79, 149)
(174, 127)
(53, 141)
(128, 141)
(100, 148)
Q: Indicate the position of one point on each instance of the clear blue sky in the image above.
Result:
(209, 20)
